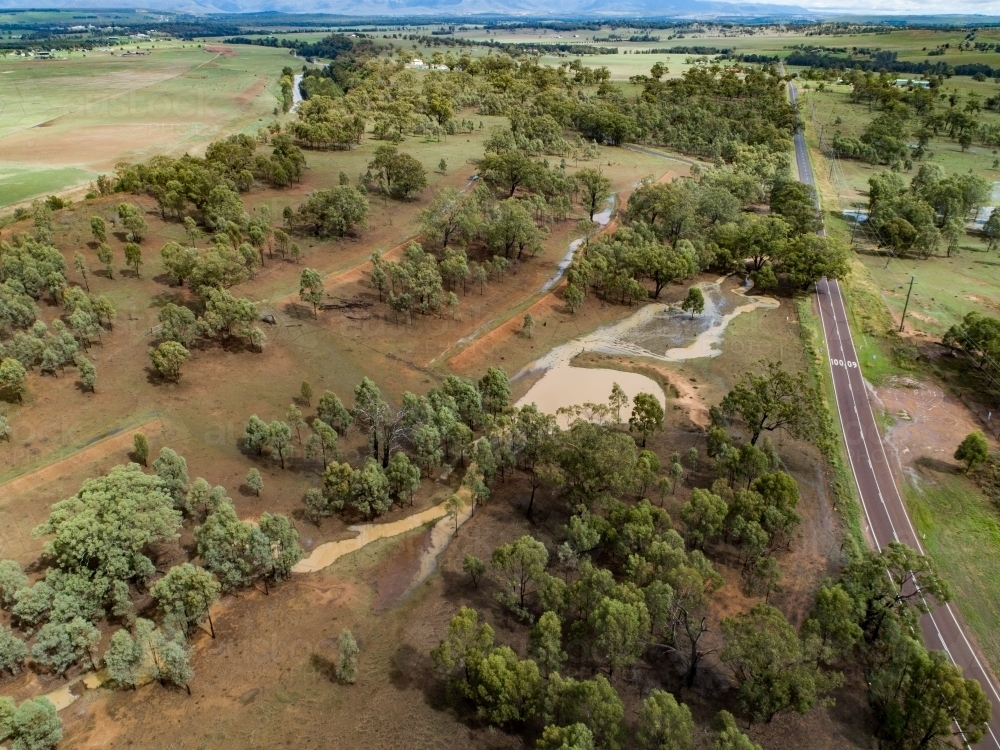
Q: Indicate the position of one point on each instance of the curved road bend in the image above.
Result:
(885, 512)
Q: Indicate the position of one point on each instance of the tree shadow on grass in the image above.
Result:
(166, 280)
(298, 311)
(324, 666)
(155, 378)
(936, 464)
(171, 298)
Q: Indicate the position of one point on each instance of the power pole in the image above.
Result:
(905, 305)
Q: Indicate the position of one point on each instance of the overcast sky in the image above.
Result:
(940, 7)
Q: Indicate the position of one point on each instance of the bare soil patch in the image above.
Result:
(923, 422)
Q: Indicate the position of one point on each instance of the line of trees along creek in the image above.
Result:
(626, 589)
(672, 231)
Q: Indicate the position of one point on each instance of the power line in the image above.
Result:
(873, 239)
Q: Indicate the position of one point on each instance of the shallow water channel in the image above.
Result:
(600, 219)
(656, 331)
(441, 533)
(296, 92)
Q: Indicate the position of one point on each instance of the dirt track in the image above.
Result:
(119, 442)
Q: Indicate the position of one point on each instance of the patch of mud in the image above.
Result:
(394, 580)
(663, 332)
(685, 394)
(565, 385)
(656, 331)
(924, 423)
(326, 554)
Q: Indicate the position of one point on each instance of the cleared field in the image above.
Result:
(20, 183)
(62, 121)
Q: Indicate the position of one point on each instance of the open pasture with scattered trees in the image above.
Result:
(224, 363)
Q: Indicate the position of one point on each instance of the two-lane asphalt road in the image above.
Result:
(885, 512)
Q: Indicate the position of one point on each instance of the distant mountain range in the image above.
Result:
(617, 9)
(707, 9)
(897, 11)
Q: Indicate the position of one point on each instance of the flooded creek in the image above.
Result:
(600, 219)
(655, 331)
(439, 536)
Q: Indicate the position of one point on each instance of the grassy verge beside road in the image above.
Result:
(841, 481)
(960, 529)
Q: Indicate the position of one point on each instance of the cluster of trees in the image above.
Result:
(30, 269)
(323, 122)
(215, 313)
(881, 61)
(395, 173)
(507, 169)
(229, 167)
(577, 714)
(51, 350)
(432, 429)
(672, 231)
(910, 114)
(931, 211)
(224, 317)
(507, 225)
(101, 559)
(625, 585)
(709, 111)
(34, 725)
(286, 83)
(336, 211)
(418, 282)
(99, 551)
(422, 433)
(500, 231)
(505, 230)
(979, 336)
(870, 615)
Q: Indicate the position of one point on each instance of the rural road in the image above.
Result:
(885, 512)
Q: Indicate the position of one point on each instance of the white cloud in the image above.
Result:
(898, 7)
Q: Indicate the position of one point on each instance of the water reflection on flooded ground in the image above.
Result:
(656, 331)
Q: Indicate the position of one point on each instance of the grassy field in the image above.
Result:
(64, 120)
(830, 111)
(945, 289)
(18, 183)
(960, 529)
